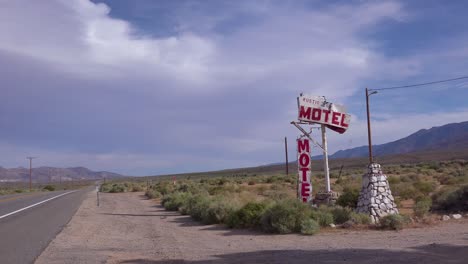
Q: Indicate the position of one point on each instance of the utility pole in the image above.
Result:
(286, 151)
(326, 169)
(369, 135)
(30, 171)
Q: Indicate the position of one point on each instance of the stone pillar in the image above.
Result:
(376, 198)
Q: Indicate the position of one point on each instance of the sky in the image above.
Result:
(154, 87)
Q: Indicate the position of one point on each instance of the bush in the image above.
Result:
(49, 188)
(349, 197)
(392, 222)
(117, 188)
(195, 206)
(248, 216)
(217, 212)
(285, 217)
(393, 180)
(405, 191)
(173, 201)
(323, 217)
(422, 207)
(136, 188)
(451, 200)
(152, 194)
(18, 191)
(251, 183)
(309, 226)
(424, 187)
(341, 215)
(360, 218)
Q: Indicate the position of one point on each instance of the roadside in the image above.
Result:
(128, 228)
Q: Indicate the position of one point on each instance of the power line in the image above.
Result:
(419, 84)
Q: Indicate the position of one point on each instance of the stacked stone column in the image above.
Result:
(376, 198)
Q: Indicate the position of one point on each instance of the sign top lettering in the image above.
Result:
(315, 109)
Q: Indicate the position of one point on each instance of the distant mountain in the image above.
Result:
(46, 174)
(447, 137)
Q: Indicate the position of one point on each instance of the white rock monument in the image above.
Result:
(376, 198)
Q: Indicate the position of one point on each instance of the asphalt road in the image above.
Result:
(26, 233)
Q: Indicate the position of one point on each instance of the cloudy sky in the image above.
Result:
(150, 87)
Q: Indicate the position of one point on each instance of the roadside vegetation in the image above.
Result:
(23, 187)
(267, 202)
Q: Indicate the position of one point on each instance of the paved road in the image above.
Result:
(25, 234)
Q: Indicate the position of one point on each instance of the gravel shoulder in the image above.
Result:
(128, 228)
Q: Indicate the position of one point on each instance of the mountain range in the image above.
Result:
(50, 174)
(448, 137)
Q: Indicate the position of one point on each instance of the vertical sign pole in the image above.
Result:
(286, 151)
(369, 136)
(325, 159)
(298, 174)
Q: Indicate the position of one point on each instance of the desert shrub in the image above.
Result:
(452, 200)
(393, 180)
(360, 218)
(116, 188)
(217, 211)
(222, 181)
(392, 222)
(164, 187)
(422, 207)
(152, 194)
(277, 195)
(285, 217)
(405, 191)
(405, 179)
(272, 179)
(349, 197)
(424, 187)
(136, 188)
(252, 182)
(445, 179)
(323, 217)
(173, 201)
(18, 191)
(340, 214)
(248, 216)
(309, 226)
(398, 201)
(195, 206)
(105, 187)
(49, 188)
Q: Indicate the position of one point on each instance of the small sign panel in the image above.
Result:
(304, 166)
(314, 109)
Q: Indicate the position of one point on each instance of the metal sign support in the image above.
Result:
(325, 158)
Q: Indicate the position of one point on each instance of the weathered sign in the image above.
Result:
(314, 109)
(304, 166)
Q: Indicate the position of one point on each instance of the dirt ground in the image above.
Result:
(128, 228)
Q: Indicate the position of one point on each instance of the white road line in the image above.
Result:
(36, 204)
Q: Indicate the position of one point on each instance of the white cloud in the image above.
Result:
(188, 91)
(300, 47)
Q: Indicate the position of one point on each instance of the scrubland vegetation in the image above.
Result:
(267, 202)
(22, 187)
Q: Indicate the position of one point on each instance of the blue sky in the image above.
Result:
(151, 87)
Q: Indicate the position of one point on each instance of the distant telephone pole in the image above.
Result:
(30, 171)
(286, 151)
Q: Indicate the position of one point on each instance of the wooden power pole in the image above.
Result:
(30, 172)
(286, 151)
